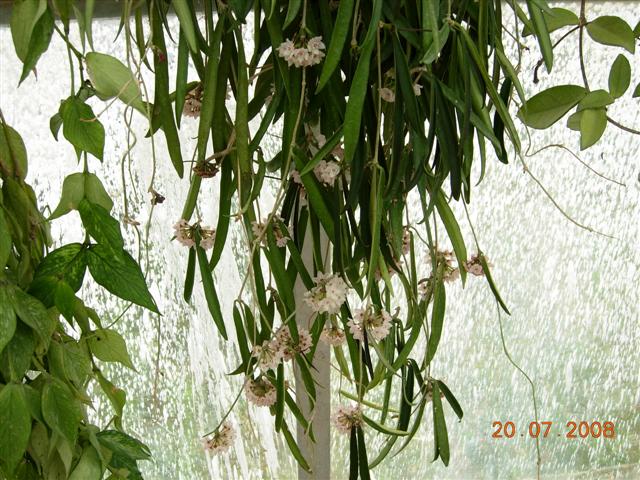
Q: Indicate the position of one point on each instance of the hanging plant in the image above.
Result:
(379, 105)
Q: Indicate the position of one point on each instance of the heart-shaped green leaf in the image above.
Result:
(547, 107)
(619, 76)
(593, 123)
(614, 31)
(111, 78)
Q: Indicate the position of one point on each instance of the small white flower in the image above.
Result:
(376, 323)
(425, 287)
(338, 152)
(390, 271)
(258, 229)
(295, 176)
(207, 243)
(327, 172)
(417, 89)
(285, 49)
(333, 336)
(193, 103)
(287, 347)
(207, 237)
(347, 417)
(315, 48)
(406, 241)
(328, 295)
(474, 267)
(221, 441)
(268, 355)
(387, 95)
(260, 392)
(450, 272)
(451, 275)
(315, 45)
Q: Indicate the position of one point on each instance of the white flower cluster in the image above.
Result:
(328, 295)
(295, 176)
(377, 323)
(258, 229)
(303, 56)
(389, 95)
(333, 336)
(268, 355)
(193, 102)
(451, 272)
(474, 267)
(282, 347)
(222, 439)
(347, 417)
(390, 271)
(406, 240)
(425, 287)
(186, 234)
(327, 171)
(287, 347)
(260, 392)
(446, 260)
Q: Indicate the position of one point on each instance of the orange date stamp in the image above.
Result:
(571, 430)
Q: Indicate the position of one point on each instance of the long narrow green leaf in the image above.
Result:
(189, 279)
(292, 12)
(383, 428)
(336, 44)
(280, 397)
(451, 399)
(209, 94)
(491, 90)
(162, 103)
(360, 87)
(542, 33)
(182, 71)
(183, 11)
(453, 230)
(241, 335)
(295, 450)
(282, 278)
(492, 285)
(353, 455)
(227, 188)
(210, 291)
(403, 79)
(363, 463)
(375, 218)
(440, 427)
(476, 120)
(437, 319)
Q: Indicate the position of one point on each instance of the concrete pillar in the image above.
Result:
(318, 454)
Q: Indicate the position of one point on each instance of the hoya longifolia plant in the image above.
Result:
(377, 106)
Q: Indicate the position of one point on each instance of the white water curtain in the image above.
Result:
(573, 295)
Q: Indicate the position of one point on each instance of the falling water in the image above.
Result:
(573, 295)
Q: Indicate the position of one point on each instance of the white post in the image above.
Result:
(317, 454)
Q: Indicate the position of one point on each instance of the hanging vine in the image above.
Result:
(379, 105)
